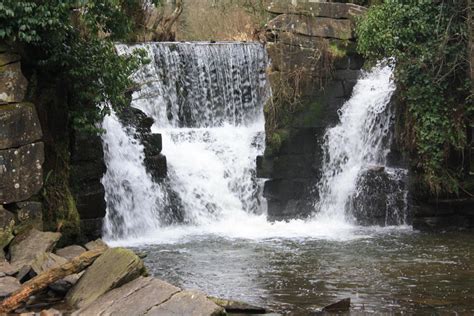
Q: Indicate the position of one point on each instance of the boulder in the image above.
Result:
(312, 26)
(190, 303)
(236, 307)
(114, 268)
(96, 244)
(380, 197)
(29, 215)
(133, 298)
(21, 173)
(6, 268)
(156, 166)
(313, 8)
(8, 285)
(13, 84)
(7, 222)
(19, 125)
(45, 261)
(25, 247)
(70, 252)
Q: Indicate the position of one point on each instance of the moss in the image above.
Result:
(275, 141)
(314, 113)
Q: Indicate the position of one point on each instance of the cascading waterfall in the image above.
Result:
(207, 101)
(358, 143)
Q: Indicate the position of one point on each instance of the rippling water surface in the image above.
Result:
(389, 270)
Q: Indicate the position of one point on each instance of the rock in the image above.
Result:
(312, 26)
(29, 215)
(90, 200)
(64, 285)
(7, 269)
(156, 166)
(187, 303)
(114, 268)
(8, 58)
(8, 285)
(91, 228)
(19, 125)
(50, 312)
(340, 306)
(70, 252)
(13, 84)
(7, 222)
(25, 247)
(45, 261)
(96, 244)
(21, 173)
(133, 298)
(25, 273)
(310, 8)
(236, 307)
(380, 198)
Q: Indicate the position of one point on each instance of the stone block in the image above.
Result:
(312, 26)
(156, 166)
(264, 167)
(25, 247)
(187, 303)
(91, 228)
(29, 215)
(8, 285)
(70, 252)
(90, 201)
(21, 172)
(7, 222)
(13, 84)
(117, 266)
(19, 125)
(313, 8)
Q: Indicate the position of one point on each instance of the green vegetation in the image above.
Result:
(428, 43)
(74, 40)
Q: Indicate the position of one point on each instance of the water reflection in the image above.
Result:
(386, 272)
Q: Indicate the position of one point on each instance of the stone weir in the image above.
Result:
(312, 50)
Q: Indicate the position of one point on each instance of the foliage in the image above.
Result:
(428, 43)
(74, 39)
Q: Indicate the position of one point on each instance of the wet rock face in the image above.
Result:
(14, 84)
(21, 173)
(19, 125)
(380, 198)
(139, 125)
(316, 41)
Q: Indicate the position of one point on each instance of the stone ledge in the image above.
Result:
(316, 9)
(312, 26)
(21, 172)
(19, 125)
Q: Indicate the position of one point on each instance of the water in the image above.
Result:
(382, 270)
(207, 101)
(358, 143)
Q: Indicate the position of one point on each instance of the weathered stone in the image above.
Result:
(8, 285)
(114, 268)
(21, 172)
(380, 198)
(340, 306)
(7, 222)
(187, 303)
(50, 312)
(236, 307)
(90, 201)
(45, 261)
(91, 228)
(64, 285)
(25, 273)
(13, 84)
(312, 26)
(313, 8)
(156, 166)
(19, 125)
(8, 58)
(29, 215)
(70, 252)
(98, 243)
(25, 247)
(133, 298)
(7, 269)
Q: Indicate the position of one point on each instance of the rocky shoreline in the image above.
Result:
(99, 281)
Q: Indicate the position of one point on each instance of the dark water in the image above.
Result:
(390, 272)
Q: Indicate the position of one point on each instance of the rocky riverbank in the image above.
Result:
(92, 279)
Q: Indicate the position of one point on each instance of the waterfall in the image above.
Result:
(207, 102)
(356, 183)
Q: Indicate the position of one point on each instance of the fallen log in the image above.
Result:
(44, 279)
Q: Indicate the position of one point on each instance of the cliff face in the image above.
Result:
(314, 69)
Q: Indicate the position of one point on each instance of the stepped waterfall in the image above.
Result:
(207, 102)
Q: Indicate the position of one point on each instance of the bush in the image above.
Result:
(428, 43)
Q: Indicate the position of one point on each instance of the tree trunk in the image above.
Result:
(44, 279)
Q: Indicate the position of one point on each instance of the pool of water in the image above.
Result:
(381, 270)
